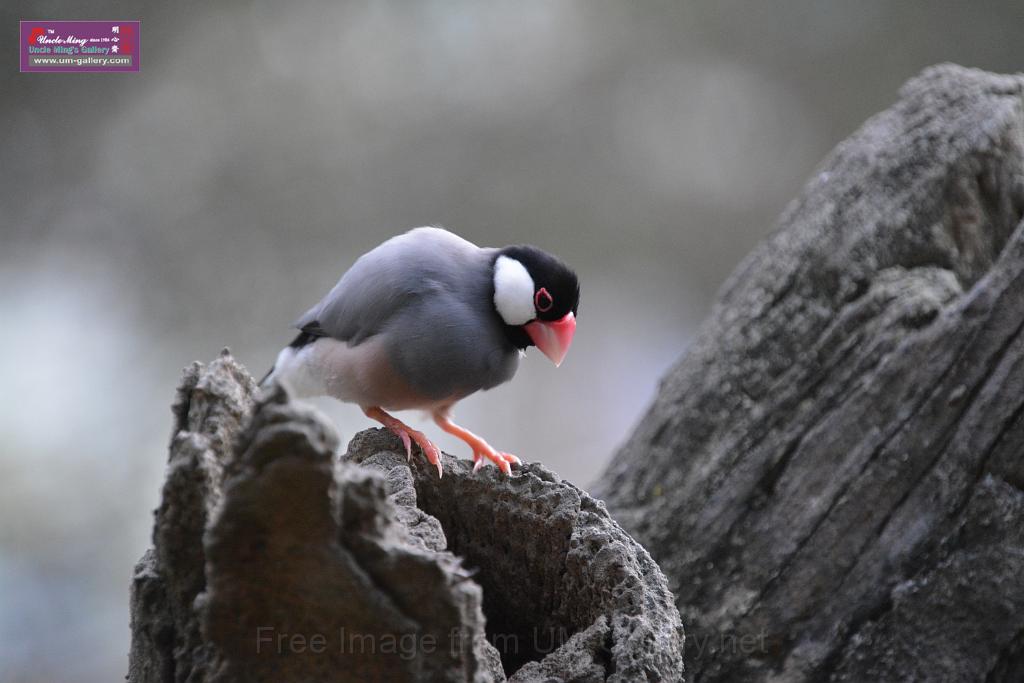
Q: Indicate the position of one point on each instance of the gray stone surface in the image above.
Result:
(273, 561)
(831, 476)
(551, 563)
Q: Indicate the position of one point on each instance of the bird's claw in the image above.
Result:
(432, 452)
(481, 449)
(408, 435)
(404, 436)
(504, 461)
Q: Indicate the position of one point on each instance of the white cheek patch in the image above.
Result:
(513, 291)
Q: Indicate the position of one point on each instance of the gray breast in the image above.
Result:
(452, 343)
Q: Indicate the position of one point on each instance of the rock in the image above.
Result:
(272, 561)
(832, 472)
(552, 565)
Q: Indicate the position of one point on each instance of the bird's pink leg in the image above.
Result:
(481, 449)
(404, 433)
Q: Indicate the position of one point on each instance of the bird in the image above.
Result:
(422, 321)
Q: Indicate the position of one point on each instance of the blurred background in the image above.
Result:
(148, 220)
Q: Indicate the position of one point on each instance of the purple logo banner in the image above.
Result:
(80, 46)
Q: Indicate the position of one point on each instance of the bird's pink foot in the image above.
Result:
(481, 449)
(503, 460)
(407, 434)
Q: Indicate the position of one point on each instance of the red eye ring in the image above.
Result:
(542, 301)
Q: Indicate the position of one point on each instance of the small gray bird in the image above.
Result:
(423, 321)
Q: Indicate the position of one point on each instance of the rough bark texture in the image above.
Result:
(274, 562)
(831, 477)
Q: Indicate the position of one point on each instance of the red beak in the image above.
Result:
(553, 337)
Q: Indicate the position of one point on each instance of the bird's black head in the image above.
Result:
(537, 297)
(556, 290)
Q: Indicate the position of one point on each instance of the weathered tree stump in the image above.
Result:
(274, 562)
(831, 476)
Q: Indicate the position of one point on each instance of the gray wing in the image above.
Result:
(384, 281)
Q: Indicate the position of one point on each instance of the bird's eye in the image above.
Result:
(542, 301)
